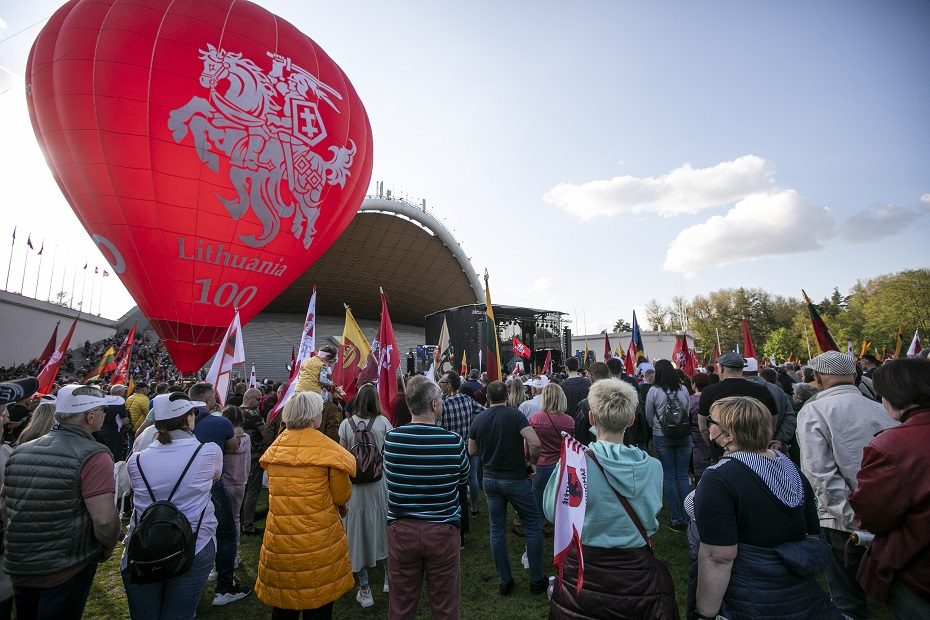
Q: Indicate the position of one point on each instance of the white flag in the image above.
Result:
(253, 382)
(231, 352)
(915, 347)
(571, 501)
(308, 337)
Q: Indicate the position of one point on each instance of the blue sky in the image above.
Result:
(594, 156)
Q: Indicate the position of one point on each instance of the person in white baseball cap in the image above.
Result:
(176, 464)
(74, 398)
(63, 480)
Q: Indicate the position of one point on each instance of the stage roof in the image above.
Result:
(394, 245)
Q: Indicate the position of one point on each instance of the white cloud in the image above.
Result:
(883, 221)
(542, 284)
(3, 25)
(758, 226)
(8, 78)
(683, 190)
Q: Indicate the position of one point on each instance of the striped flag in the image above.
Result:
(824, 340)
(492, 352)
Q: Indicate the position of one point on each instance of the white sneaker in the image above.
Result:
(525, 560)
(386, 588)
(235, 593)
(364, 597)
(212, 576)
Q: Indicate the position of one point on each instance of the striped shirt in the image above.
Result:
(424, 465)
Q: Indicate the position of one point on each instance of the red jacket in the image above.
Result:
(893, 502)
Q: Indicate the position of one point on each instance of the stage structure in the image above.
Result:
(540, 330)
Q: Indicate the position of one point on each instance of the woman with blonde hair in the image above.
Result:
(622, 577)
(516, 394)
(304, 563)
(755, 514)
(366, 523)
(549, 423)
(40, 423)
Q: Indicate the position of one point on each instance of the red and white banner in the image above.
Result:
(50, 370)
(388, 359)
(571, 502)
(308, 336)
(253, 380)
(520, 349)
(547, 365)
(915, 347)
(230, 353)
(121, 374)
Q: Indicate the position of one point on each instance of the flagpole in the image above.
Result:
(719, 348)
(9, 265)
(100, 293)
(51, 278)
(39, 272)
(73, 287)
(93, 286)
(22, 286)
(83, 287)
(808, 341)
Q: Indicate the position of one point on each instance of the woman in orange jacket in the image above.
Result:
(304, 563)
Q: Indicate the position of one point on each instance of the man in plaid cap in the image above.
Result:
(834, 426)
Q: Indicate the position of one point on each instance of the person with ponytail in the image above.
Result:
(161, 464)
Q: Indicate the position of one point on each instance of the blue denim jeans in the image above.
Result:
(847, 594)
(543, 473)
(519, 493)
(225, 536)
(63, 602)
(475, 463)
(675, 456)
(174, 598)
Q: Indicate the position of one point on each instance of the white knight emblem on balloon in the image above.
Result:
(269, 126)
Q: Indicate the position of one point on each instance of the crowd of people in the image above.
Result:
(773, 475)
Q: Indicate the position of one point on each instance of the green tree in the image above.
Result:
(782, 343)
(622, 326)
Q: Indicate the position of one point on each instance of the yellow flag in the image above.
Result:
(353, 355)
(899, 342)
(865, 347)
(131, 387)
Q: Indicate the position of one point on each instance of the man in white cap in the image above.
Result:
(534, 404)
(63, 521)
(834, 427)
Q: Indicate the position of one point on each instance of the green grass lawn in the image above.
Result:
(479, 583)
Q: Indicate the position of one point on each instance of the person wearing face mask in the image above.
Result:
(754, 514)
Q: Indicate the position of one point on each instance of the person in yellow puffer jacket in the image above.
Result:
(304, 562)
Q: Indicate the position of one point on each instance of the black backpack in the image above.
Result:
(162, 545)
(675, 420)
(368, 459)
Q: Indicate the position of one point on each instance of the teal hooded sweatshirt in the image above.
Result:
(635, 475)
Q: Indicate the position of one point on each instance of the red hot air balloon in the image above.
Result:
(211, 150)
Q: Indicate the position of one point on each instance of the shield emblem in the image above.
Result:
(306, 122)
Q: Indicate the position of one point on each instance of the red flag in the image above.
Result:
(50, 370)
(716, 354)
(547, 365)
(695, 360)
(293, 356)
(607, 351)
(629, 361)
(286, 393)
(682, 355)
(521, 349)
(50, 347)
(121, 370)
(749, 350)
(388, 360)
(824, 340)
